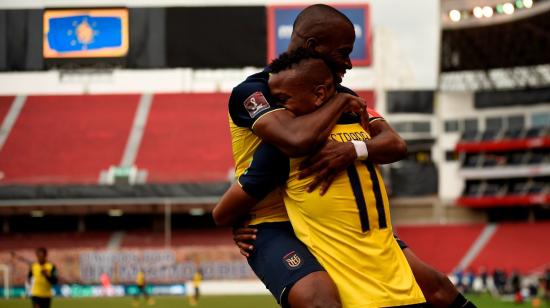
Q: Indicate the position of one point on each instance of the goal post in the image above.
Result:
(5, 270)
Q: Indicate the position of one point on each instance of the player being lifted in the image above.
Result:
(348, 230)
(254, 116)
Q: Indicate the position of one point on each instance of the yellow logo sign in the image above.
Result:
(85, 33)
(292, 260)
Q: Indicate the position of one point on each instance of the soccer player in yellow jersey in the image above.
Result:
(140, 284)
(42, 276)
(255, 116)
(196, 281)
(348, 229)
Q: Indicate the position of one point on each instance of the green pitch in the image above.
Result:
(160, 302)
(481, 301)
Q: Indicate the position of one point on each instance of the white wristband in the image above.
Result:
(360, 149)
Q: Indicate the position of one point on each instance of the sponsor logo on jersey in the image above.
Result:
(292, 260)
(255, 103)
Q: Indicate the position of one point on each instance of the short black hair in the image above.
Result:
(290, 58)
(316, 10)
(42, 249)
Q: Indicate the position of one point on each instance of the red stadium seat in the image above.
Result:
(5, 104)
(67, 139)
(187, 139)
(441, 246)
(521, 246)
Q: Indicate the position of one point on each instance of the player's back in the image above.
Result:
(249, 101)
(349, 231)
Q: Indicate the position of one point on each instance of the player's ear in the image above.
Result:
(321, 94)
(311, 43)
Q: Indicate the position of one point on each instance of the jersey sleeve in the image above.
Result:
(373, 115)
(249, 101)
(268, 170)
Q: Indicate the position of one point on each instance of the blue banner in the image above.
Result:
(83, 32)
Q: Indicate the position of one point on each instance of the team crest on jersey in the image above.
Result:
(292, 260)
(255, 103)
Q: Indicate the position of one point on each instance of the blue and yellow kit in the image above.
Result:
(348, 229)
(250, 101)
(41, 286)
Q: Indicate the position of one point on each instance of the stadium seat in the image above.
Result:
(67, 139)
(441, 246)
(521, 246)
(187, 139)
(5, 104)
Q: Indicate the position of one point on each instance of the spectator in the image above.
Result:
(515, 282)
(483, 276)
(546, 283)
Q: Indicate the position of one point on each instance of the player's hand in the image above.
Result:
(332, 159)
(243, 238)
(355, 104)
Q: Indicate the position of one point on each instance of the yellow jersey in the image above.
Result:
(249, 101)
(197, 279)
(140, 278)
(348, 229)
(40, 285)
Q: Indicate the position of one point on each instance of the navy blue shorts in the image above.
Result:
(279, 259)
(41, 302)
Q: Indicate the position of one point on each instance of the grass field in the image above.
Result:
(481, 301)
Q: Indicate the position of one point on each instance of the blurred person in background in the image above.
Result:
(141, 286)
(515, 283)
(106, 284)
(546, 284)
(196, 281)
(42, 277)
(469, 276)
(483, 276)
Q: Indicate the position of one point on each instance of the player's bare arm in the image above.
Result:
(233, 206)
(300, 135)
(385, 147)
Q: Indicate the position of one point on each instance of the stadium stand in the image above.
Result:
(505, 167)
(18, 241)
(186, 139)
(5, 103)
(516, 246)
(67, 139)
(441, 246)
(179, 238)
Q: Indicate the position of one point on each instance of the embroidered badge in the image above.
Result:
(292, 260)
(255, 103)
